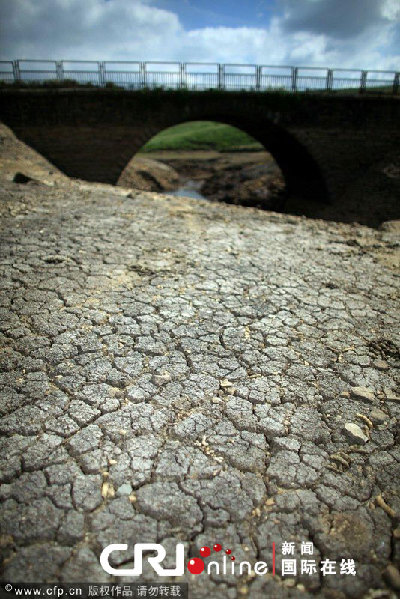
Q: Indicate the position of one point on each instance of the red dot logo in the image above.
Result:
(233, 558)
(228, 551)
(217, 547)
(205, 551)
(195, 565)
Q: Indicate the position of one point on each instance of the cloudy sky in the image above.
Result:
(336, 33)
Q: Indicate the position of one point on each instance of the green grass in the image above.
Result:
(201, 135)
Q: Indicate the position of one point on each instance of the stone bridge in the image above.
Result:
(321, 143)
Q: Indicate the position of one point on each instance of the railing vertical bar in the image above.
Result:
(59, 70)
(258, 78)
(143, 74)
(221, 76)
(329, 80)
(396, 83)
(16, 71)
(101, 73)
(294, 78)
(363, 81)
(183, 77)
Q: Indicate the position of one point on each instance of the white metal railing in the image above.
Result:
(196, 76)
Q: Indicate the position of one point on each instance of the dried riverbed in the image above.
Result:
(205, 362)
(179, 370)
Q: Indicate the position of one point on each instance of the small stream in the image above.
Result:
(189, 189)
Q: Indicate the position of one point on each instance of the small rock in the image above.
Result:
(225, 384)
(161, 379)
(381, 365)
(392, 577)
(354, 433)
(107, 490)
(390, 226)
(377, 416)
(391, 395)
(363, 393)
(396, 534)
(301, 587)
(55, 259)
(124, 489)
(21, 178)
(378, 594)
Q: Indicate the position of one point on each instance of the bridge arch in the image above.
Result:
(301, 172)
(321, 144)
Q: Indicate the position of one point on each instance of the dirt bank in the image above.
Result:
(17, 157)
(149, 175)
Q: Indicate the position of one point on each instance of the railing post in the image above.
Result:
(329, 80)
(60, 70)
(102, 78)
(396, 83)
(143, 77)
(363, 81)
(182, 75)
(221, 76)
(294, 79)
(16, 71)
(258, 78)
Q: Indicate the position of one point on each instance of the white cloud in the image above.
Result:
(340, 19)
(89, 29)
(136, 30)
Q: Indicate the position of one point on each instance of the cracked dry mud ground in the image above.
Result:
(176, 370)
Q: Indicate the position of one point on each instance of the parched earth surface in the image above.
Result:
(184, 371)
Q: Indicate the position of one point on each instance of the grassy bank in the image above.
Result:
(202, 135)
